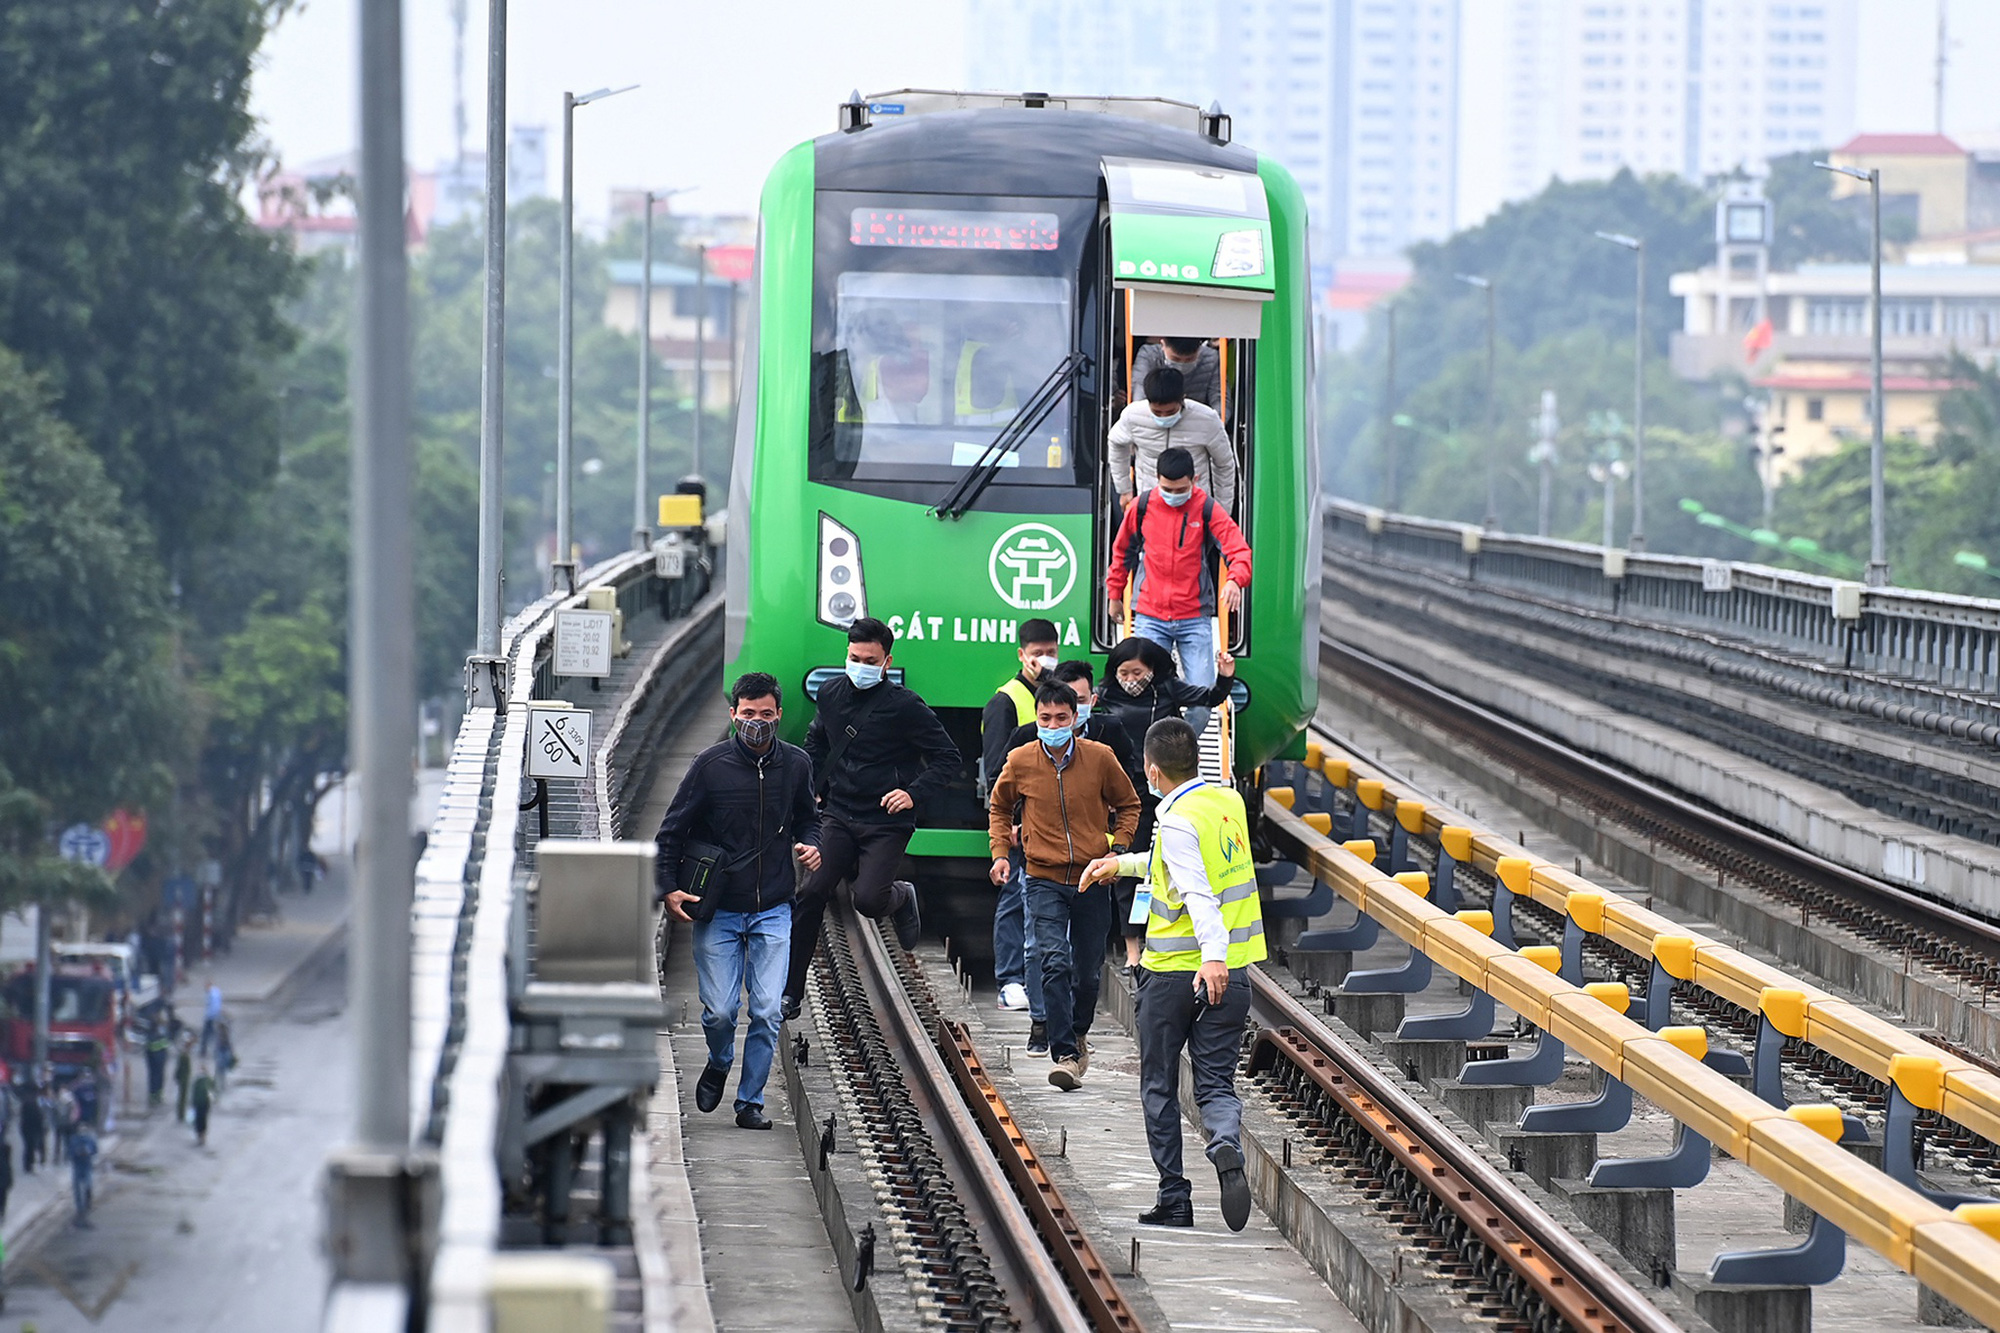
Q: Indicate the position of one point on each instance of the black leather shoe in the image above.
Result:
(1169, 1213)
(708, 1091)
(1235, 1186)
(789, 1007)
(909, 922)
(752, 1117)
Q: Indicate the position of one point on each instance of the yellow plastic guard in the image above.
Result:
(1689, 1040)
(1479, 921)
(1370, 792)
(1785, 1008)
(1457, 842)
(1516, 872)
(1319, 822)
(1410, 814)
(1335, 771)
(1587, 910)
(1547, 956)
(1985, 1216)
(1284, 796)
(1315, 756)
(680, 511)
(1363, 848)
(1613, 993)
(1819, 1117)
(1676, 954)
(1416, 881)
(1921, 1077)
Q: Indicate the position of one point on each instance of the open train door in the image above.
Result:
(1191, 251)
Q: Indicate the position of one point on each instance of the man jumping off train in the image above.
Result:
(877, 750)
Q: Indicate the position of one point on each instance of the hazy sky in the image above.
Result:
(724, 90)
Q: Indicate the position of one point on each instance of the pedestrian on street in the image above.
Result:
(877, 751)
(203, 1098)
(30, 1102)
(211, 1014)
(225, 1053)
(85, 1093)
(157, 1045)
(1204, 929)
(183, 1075)
(746, 809)
(1074, 801)
(62, 1107)
(82, 1167)
(6, 1176)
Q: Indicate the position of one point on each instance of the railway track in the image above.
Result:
(1900, 923)
(974, 1218)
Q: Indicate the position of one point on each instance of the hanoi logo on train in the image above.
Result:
(1032, 566)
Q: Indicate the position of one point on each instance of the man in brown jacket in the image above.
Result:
(1075, 800)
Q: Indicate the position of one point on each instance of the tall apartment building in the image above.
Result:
(1693, 87)
(1357, 98)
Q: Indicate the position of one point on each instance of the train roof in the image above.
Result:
(996, 148)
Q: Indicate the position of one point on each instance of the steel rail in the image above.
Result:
(1034, 1284)
(1586, 1292)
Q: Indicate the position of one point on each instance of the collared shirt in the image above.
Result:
(1187, 873)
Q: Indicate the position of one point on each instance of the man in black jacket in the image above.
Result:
(750, 799)
(877, 749)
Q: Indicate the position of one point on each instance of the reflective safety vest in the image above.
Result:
(969, 412)
(1224, 829)
(1024, 701)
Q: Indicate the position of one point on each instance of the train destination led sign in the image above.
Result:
(952, 229)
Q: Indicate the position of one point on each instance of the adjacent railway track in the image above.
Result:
(984, 1231)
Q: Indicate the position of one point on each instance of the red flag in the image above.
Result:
(127, 832)
(1757, 340)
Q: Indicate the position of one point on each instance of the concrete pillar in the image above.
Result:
(1638, 1222)
(1753, 1309)
(1425, 1062)
(1546, 1157)
(1328, 969)
(1484, 1104)
(1369, 1014)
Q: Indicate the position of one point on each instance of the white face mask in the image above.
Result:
(1045, 664)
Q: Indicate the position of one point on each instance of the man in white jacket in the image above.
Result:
(1163, 419)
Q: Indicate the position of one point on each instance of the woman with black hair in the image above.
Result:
(1140, 687)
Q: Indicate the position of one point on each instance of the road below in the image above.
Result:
(224, 1238)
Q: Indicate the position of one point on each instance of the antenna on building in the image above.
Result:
(458, 78)
(1943, 59)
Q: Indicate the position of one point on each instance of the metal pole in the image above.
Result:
(42, 965)
(1637, 541)
(486, 671)
(1878, 554)
(1492, 427)
(700, 347)
(1389, 459)
(642, 520)
(562, 570)
(1610, 504)
(735, 388)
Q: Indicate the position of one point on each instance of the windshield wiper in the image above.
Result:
(970, 486)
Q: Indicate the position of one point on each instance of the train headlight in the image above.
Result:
(843, 594)
(1238, 254)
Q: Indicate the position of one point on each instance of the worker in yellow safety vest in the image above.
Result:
(1204, 928)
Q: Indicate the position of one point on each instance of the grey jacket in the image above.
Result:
(1137, 442)
(1201, 382)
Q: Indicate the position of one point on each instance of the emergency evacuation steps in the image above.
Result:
(1952, 1250)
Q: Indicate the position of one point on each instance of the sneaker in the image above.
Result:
(1013, 995)
(1038, 1038)
(1068, 1075)
(1228, 1161)
(1082, 1054)
(909, 922)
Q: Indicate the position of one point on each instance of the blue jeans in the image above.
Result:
(1070, 931)
(1014, 957)
(731, 951)
(1196, 640)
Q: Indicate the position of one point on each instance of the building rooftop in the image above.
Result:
(1900, 145)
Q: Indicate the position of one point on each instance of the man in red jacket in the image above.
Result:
(1169, 544)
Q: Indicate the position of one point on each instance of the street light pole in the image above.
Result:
(562, 570)
(642, 524)
(1492, 521)
(700, 341)
(485, 671)
(1389, 459)
(1637, 245)
(1878, 542)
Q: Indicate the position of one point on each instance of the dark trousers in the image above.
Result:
(1070, 930)
(1167, 1023)
(866, 855)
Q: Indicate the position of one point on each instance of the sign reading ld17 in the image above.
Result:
(583, 643)
(558, 741)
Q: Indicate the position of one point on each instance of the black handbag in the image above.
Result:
(702, 870)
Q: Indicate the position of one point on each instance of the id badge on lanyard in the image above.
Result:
(1142, 907)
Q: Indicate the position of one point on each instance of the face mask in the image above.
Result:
(1158, 795)
(1054, 737)
(1044, 664)
(1164, 422)
(756, 732)
(1177, 498)
(865, 675)
(1136, 684)
(1082, 714)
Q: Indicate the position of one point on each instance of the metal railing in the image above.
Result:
(1947, 643)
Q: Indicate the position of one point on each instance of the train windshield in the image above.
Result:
(932, 328)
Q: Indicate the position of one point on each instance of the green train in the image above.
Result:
(948, 293)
